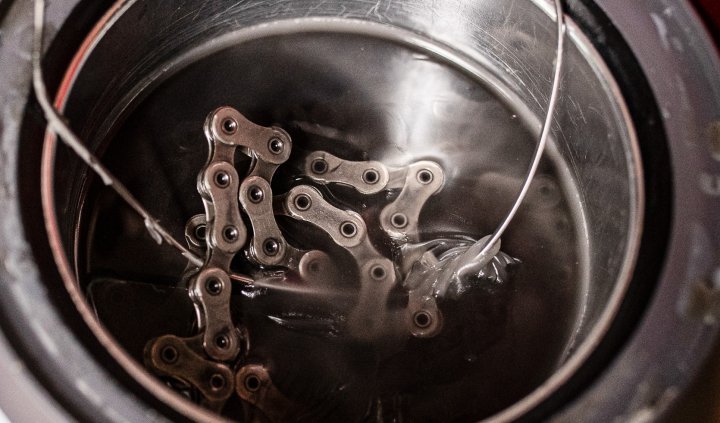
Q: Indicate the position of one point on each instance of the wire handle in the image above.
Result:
(489, 243)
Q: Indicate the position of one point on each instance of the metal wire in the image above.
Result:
(57, 125)
(489, 244)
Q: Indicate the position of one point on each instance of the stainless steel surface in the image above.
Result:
(414, 90)
(545, 134)
(57, 124)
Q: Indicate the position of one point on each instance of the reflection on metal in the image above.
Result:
(547, 127)
(421, 318)
(58, 125)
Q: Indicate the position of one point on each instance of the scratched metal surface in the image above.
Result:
(513, 41)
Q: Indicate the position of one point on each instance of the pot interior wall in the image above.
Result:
(462, 84)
